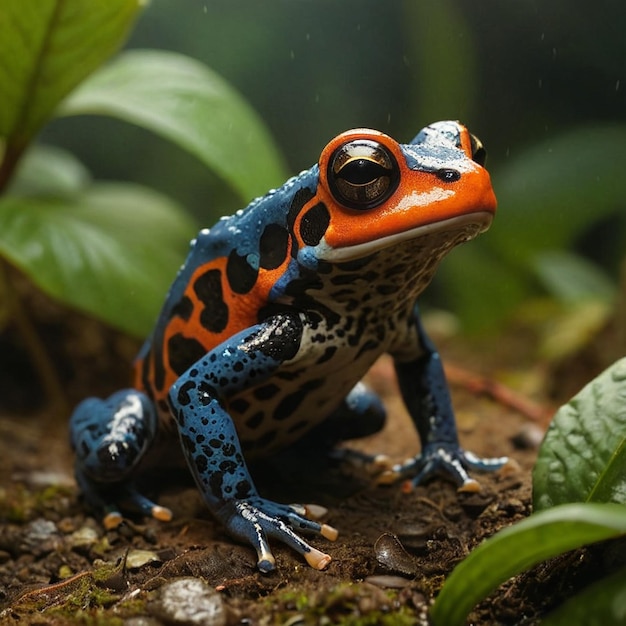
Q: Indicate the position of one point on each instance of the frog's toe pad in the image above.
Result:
(163, 514)
(328, 532)
(389, 476)
(317, 559)
(369, 464)
(112, 520)
(310, 511)
(470, 486)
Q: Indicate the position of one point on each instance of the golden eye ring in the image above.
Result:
(362, 174)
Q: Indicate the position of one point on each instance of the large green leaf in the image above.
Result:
(519, 547)
(49, 171)
(583, 455)
(46, 48)
(111, 250)
(187, 103)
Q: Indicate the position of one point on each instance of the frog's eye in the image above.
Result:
(479, 154)
(362, 174)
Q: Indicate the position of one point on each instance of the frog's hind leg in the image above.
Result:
(110, 437)
(359, 415)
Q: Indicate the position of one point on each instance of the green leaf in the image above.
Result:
(601, 604)
(519, 547)
(187, 103)
(583, 455)
(46, 48)
(553, 191)
(572, 278)
(548, 195)
(49, 171)
(477, 287)
(111, 251)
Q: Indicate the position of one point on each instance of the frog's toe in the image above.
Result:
(111, 499)
(135, 503)
(473, 461)
(368, 464)
(451, 462)
(133, 500)
(112, 520)
(254, 521)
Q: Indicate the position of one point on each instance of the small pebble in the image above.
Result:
(84, 537)
(386, 581)
(42, 537)
(142, 620)
(138, 558)
(187, 602)
(529, 437)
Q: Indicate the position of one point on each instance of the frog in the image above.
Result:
(273, 320)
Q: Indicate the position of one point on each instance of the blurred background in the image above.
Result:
(542, 84)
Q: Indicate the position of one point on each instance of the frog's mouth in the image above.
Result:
(473, 224)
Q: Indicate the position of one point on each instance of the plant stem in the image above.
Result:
(50, 383)
(10, 159)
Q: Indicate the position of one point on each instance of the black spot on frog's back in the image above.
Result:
(240, 274)
(273, 246)
(183, 352)
(208, 288)
(183, 308)
(300, 198)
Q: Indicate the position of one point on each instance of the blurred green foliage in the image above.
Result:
(109, 249)
(543, 85)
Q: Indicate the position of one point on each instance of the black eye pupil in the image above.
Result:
(362, 171)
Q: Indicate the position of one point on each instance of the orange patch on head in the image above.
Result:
(419, 198)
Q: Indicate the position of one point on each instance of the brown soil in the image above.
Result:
(59, 566)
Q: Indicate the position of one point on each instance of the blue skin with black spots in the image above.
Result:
(274, 318)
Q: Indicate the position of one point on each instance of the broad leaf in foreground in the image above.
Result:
(601, 604)
(519, 547)
(583, 455)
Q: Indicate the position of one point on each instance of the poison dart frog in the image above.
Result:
(274, 318)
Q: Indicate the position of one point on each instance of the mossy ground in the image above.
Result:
(59, 566)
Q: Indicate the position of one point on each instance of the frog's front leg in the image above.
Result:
(110, 437)
(212, 448)
(426, 395)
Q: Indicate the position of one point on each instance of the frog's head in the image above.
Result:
(375, 193)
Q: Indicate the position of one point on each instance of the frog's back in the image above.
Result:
(232, 272)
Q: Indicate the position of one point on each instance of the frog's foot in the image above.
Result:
(448, 460)
(370, 464)
(110, 499)
(256, 520)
